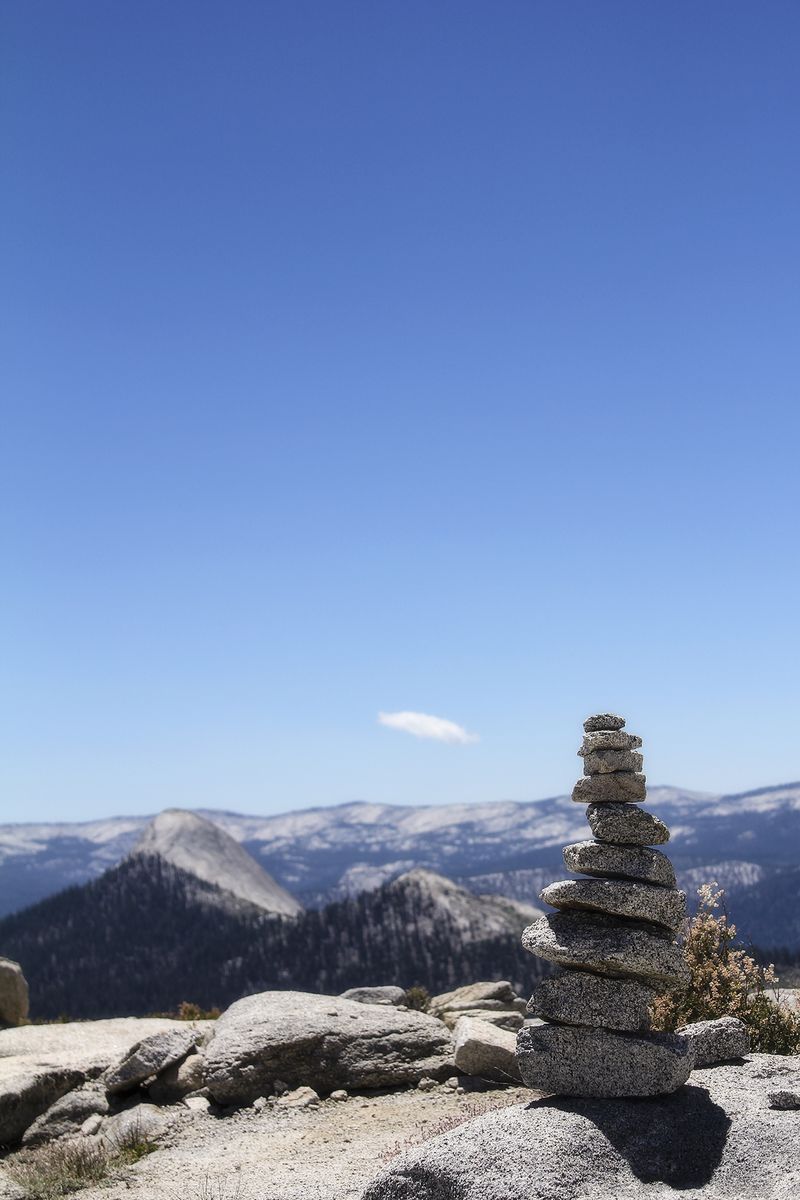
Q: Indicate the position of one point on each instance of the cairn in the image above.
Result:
(613, 938)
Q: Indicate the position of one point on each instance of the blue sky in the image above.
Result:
(364, 358)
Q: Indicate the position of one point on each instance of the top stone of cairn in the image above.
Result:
(601, 722)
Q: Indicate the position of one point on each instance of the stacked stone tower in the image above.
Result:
(613, 938)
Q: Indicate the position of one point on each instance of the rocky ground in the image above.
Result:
(326, 1152)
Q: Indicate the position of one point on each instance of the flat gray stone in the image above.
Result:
(602, 721)
(620, 898)
(620, 862)
(626, 824)
(485, 1051)
(784, 1099)
(624, 787)
(721, 1040)
(714, 1139)
(322, 1042)
(376, 995)
(580, 998)
(605, 762)
(609, 740)
(573, 1061)
(593, 942)
(13, 993)
(151, 1056)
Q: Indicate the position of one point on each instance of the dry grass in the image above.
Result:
(61, 1167)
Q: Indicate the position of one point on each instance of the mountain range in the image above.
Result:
(749, 843)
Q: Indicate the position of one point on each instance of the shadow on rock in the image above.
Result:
(677, 1139)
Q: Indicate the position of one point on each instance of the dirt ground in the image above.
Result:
(329, 1152)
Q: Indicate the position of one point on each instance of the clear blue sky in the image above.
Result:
(365, 357)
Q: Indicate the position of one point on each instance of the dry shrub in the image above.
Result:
(59, 1168)
(726, 982)
(417, 998)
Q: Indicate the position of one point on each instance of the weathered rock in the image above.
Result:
(427, 1084)
(717, 1041)
(92, 1125)
(199, 1104)
(340, 1095)
(604, 762)
(714, 1139)
(142, 1122)
(626, 823)
(485, 1051)
(40, 1063)
(13, 993)
(472, 994)
(603, 721)
(626, 787)
(323, 1041)
(784, 1100)
(609, 740)
(376, 995)
(580, 998)
(151, 1056)
(623, 862)
(178, 1081)
(67, 1115)
(503, 1019)
(574, 1061)
(594, 942)
(619, 897)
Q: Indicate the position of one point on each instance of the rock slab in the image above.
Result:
(376, 995)
(573, 1061)
(623, 788)
(624, 862)
(580, 998)
(594, 942)
(715, 1139)
(621, 898)
(320, 1041)
(626, 823)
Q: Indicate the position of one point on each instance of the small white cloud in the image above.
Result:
(423, 725)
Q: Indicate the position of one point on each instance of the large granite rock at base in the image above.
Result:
(593, 942)
(621, 898)
(573, 1061)
(13, 993)
(485, 1051)
(714, 1139)
(40, 1063)
(626, 787)
(626, 823)
(627, 862)
(321, 1041)
(580, 998)
(387, 994)
(151, 1056)
(717, 1041)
